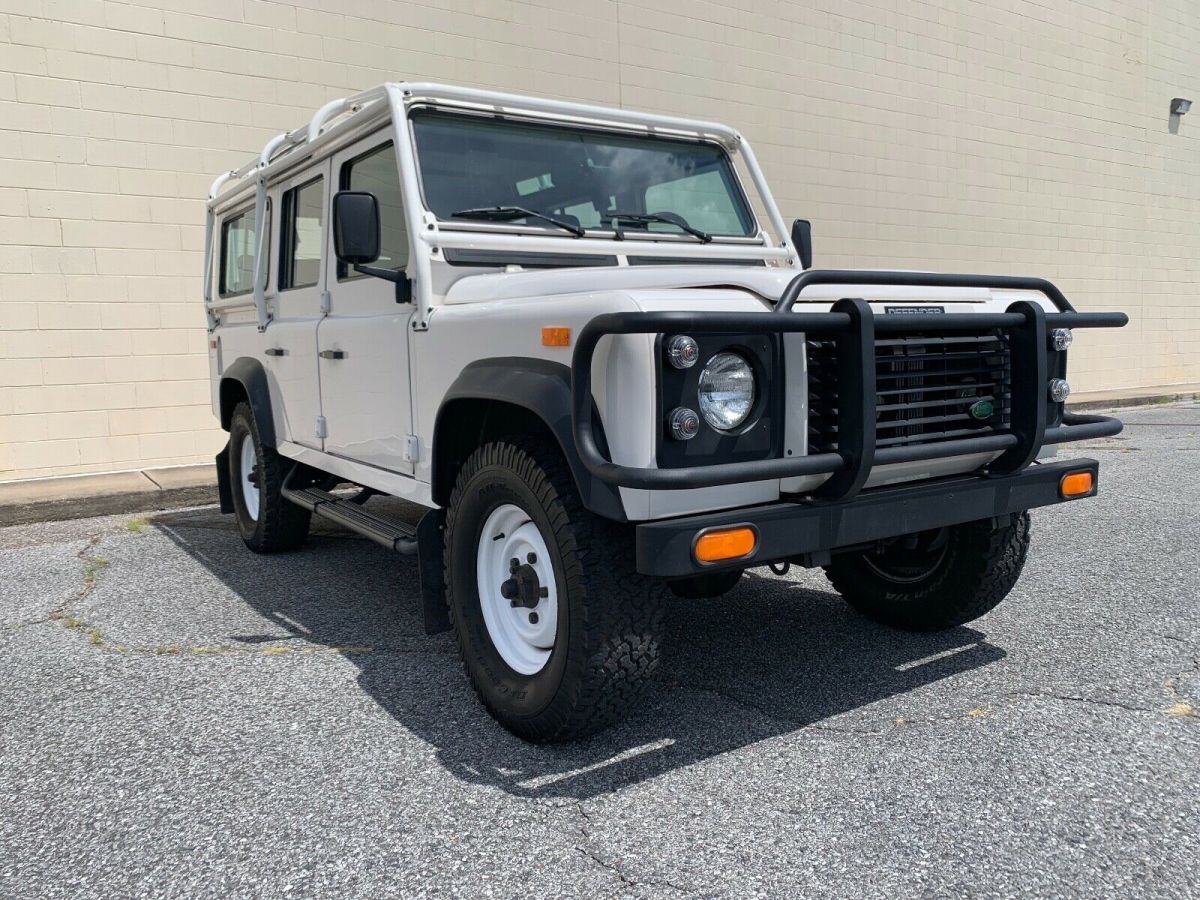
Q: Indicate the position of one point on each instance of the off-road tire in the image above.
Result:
(706, 587)
(980, 566)
(281, 525)
(609, 616)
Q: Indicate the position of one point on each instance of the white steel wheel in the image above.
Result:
(248, 475)
(518, 594)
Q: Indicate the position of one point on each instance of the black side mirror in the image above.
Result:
(355, 227)
(802, 241)
(356, 239)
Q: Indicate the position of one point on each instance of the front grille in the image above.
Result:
(929, 387)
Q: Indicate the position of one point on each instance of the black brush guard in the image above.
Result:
(854, 327)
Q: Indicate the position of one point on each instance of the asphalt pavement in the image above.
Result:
(180, 717)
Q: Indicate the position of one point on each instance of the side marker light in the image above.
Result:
(720, 544)
(1077, 484)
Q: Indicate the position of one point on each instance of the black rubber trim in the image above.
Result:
(250, 374)
(544, 388)
(431, 564)
(693, 261)
(224, 488)
(788, 530)
(459, 257)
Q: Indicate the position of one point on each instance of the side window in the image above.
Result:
(376, 172)
(237, 253)
(300, 238)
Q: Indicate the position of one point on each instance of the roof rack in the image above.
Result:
(331, 120)
(336, 117)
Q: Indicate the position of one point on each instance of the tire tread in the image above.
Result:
(984, 564)
(622, 608)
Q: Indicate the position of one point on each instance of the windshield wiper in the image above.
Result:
(646, 218)
(511, 213)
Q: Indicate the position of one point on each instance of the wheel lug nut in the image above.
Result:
(531, 558)
(533, 618)
(514, 564)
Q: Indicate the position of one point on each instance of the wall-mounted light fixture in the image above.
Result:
(1179, 106)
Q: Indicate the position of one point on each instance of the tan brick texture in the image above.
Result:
(1015, 136)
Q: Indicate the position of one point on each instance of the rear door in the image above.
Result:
(297, 272)
(363, 341)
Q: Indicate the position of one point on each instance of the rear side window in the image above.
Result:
(237, 253)
(376, 172)
(300, 245)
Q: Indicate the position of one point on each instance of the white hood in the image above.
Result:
(765, 283)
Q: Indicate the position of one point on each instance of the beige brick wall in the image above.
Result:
(1023, 136)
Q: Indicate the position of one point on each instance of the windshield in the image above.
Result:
(588, 179)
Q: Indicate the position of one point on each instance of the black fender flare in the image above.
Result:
(542, 387)
(250, 374)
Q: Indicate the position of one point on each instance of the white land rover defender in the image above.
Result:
(586, 341)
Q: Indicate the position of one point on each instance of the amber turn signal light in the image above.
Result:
(720, 544)
(556, 337)
(1077, 484)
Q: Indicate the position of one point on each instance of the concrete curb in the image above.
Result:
(113, 493)
(110, 493)
(1173, 393)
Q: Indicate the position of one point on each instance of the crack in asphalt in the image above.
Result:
(1181, 709)
(615, 867)
(95, 565)
(1078, 698)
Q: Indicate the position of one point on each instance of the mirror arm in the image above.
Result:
(400, 279)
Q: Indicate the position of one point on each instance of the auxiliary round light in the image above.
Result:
(682, 351)
(685, 424)
(726, 391)
(1059, 390)
(1061, 338)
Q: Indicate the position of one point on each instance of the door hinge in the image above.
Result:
(412, 448)
(322, 431)
(326, 302)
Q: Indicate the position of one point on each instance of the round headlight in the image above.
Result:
(726, 391)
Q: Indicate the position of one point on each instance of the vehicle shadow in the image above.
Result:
(771, 658)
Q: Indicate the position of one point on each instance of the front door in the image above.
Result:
(363, 342)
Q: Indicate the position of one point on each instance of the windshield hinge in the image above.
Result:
(322, 431)
(326, 302)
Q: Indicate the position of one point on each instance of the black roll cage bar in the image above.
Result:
(854, 327)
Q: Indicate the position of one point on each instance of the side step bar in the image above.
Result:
(394, 535)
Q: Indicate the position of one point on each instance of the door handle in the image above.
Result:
(332, 354)
(275, 351)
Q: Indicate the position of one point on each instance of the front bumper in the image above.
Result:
(790, 530)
